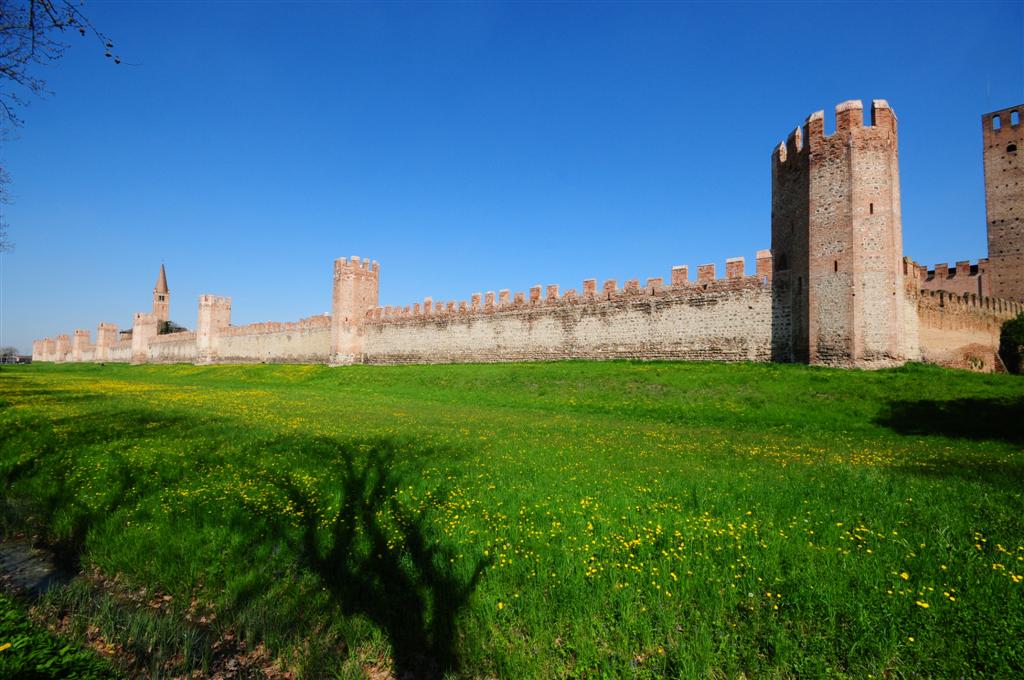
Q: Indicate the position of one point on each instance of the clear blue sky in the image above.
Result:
(467, 147)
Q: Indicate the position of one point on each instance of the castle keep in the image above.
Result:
(834, 289)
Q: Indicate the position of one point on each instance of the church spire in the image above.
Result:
(161, 296)
(161, 281)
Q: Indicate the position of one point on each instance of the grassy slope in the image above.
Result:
(538, 520)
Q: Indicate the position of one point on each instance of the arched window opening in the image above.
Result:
(997, 123)
(1015, 118)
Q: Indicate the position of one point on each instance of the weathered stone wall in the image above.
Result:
(120, 351)
(303, 342)
(728, 320)
(962, 331)
(173, 348)
(1004, 199)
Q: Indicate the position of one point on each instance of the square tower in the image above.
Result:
(355, 293)
(837, 239)
(1003, 137)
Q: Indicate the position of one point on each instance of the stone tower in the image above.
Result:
(214, 317)
(355, 293)
(1003, 137)
(837, 241)
(161, 297)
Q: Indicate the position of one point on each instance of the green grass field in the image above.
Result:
(619, 520)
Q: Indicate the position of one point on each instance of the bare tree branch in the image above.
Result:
(31, 37)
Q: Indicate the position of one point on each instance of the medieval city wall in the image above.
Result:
(307, 341)
(963, 278)
(962, 331)
(835, 289)
(728, 319)
(173, 348)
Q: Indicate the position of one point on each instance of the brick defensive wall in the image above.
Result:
(728, 319)
(962, 278)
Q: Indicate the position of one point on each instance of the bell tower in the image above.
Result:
(161, 297)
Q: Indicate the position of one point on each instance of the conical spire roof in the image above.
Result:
(161, 281)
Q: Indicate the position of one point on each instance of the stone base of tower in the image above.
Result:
(868, 362)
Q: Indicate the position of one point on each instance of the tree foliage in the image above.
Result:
(1011, 344)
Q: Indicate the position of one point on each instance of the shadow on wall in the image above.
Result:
(782, 319)
(980, 419)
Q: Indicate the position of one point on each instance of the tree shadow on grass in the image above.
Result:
(380, 560)
(976, 419)
(43, 491)
(376, 558)
(973, 418)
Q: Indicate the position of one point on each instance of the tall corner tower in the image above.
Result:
(161, 297)
(1003, 137)
(356, 286)
(836, 228)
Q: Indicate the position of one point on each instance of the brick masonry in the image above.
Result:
(724, 319)
(1003, 136)
(834, 289)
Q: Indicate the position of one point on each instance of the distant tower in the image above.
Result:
(161, 297)
(837, 240)
(1003, 137)
(355, 293)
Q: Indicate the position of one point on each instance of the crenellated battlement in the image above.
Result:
(792, 149)
(211, 300)
(540, 296)
(1003, 125)
(962, 277)
(849, 117)
(1005, 309)
(171, 338)
(318, 322)
(356, 266)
